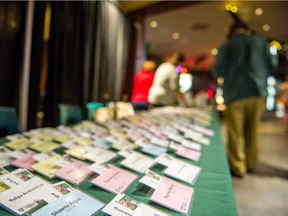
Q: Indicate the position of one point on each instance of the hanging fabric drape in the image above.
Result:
(90, 11)
(89, 47)
(111, 52)
(44, 66)
(12, 34)
(87, 58)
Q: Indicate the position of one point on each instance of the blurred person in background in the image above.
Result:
(165, 88)
(283, 96)
(244, 62)
(141, 84)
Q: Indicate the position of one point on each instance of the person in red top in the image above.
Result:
(141, 84)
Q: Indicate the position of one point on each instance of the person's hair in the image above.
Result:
(149, 65)
(234, 27)
(176, 58)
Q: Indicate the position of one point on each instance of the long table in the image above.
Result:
(213, 188)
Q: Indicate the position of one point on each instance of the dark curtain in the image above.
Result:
(88, 53)
(65, 78)
(35, 65)
(88, 56)
(12, 25)
(106, 51)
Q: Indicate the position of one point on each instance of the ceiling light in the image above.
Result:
(266, 27)
(154, 24)
(259, 11)
(234, 9)
(175, 35)
(214, 52)
(228, 7)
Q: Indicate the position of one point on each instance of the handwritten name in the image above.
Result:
(122, 211)
(12, 181)
(169, 191)
(54, 213)
(68, 207)
(111, 177)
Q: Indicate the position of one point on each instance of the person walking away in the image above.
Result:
(245, 62)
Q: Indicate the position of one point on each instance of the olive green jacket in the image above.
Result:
(245, 62)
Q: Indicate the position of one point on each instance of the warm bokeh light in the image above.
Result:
(221, 107)
(14, 24)
(214, 52)
(234, 9)
(154, 24)
(175, 35)
(184, 70)
(228, 7)
(219, 99)
(275, 44)
(266, 27)
(258, 11)
(220, 80)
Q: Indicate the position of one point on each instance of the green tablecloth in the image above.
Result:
(213, 188)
